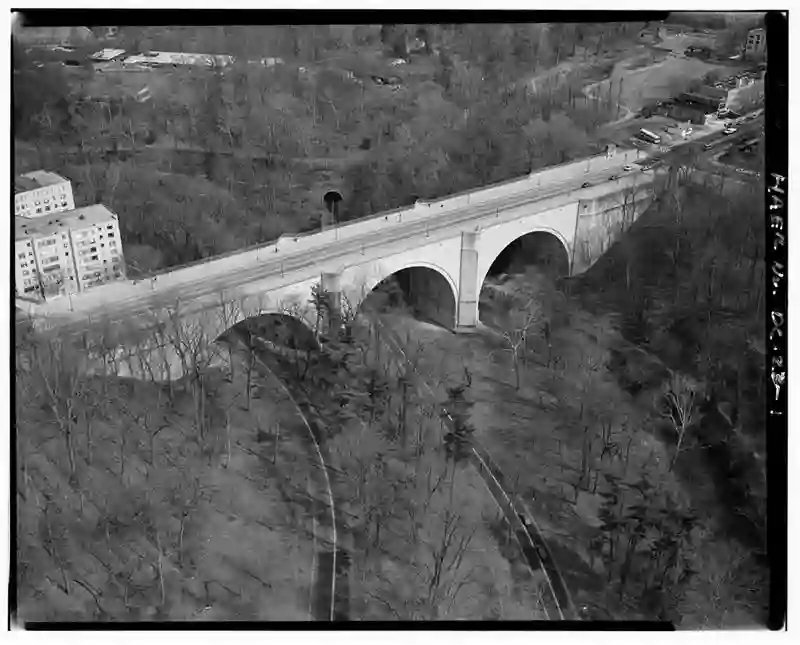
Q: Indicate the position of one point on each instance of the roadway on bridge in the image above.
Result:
(105, 305)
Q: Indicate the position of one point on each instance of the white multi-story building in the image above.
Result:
(41, 193)
(756, 43)
(67, 252)
(96, 245)
(44, 262)
(26, 273)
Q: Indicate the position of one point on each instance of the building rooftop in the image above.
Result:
(74, 219)
(107, 54)
(36, 179)
(180, 58)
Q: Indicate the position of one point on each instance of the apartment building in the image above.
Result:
(97, 246)
(44, 263)
(41, 193)
(756, 43)
(68, 252)
(26, 273)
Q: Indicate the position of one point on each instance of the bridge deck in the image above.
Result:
(302, 256)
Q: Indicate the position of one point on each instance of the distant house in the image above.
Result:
(687, 108)
(64, 36)
(756, 43)
(714, 98)
(161, 59)
(708, 102)
(748, 94)
(107, 55)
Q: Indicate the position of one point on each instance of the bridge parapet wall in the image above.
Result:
(308, 243)
(603, 219)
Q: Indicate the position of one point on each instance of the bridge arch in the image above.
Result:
(549, 243)
(426, 287)
(283, 329)
(292, 324)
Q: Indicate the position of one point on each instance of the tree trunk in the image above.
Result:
(89, 442)
(250, 366)
(681, 434)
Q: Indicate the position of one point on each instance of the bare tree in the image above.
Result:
(229, 313)
(58, 369)
(442, 573)
(197, 351)
(517, 324)
(678, 406)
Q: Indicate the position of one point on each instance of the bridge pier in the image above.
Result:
(468, 287)
(330, 284)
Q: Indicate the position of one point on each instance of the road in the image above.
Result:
(330, 588)
(557, 601)
(70, 314)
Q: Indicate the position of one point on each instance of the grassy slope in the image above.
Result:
(535, 434)
(395, 498)
(245, 549)
(245, 554)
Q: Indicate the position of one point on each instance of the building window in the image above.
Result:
(26, 273)
(110, 235)
(94, 257)
(21, 256)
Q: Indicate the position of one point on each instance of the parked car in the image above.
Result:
(627, 167)
(707, 146)
(729, 131)
(613, 178)
(585, 184)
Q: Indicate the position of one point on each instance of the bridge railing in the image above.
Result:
(419, 210)
(422, 209)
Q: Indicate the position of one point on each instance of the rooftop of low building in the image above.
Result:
(36, 179)
(76, 219)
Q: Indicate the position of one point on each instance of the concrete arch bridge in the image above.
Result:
(439, 251)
